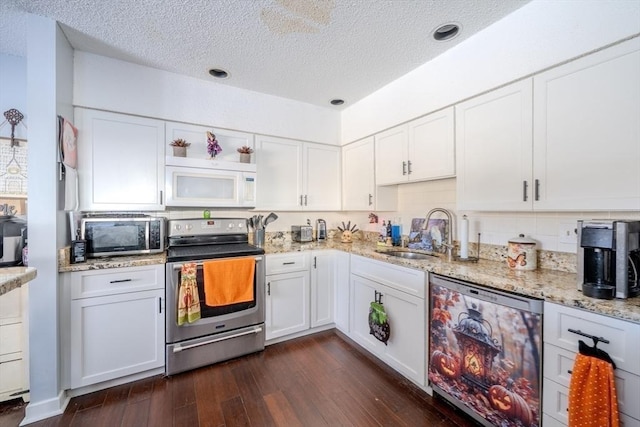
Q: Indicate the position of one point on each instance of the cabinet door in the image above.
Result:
(494, 150)
(279, 166)
(587, 132)
(392, 155)
(321, 172)
(287, 304)
(323, 282)
(358, 176)
(195, 135)
(431, 146)
(341, 310)
(363, 292)
(115, 336)
(120, 161)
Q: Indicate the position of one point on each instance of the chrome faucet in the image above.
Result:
(449, 231)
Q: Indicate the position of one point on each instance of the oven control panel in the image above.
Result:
(207, 226)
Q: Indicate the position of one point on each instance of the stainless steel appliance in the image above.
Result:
(122, 234)
(13, 238)
(302, 233)
(485, 352)
(222, 332)
(321, 229)
(609, 258)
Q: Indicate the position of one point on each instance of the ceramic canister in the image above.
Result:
(521, 253)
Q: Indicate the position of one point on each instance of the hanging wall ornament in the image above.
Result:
(14, 117)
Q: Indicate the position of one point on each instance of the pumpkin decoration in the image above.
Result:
(445, 364)
(510, 403)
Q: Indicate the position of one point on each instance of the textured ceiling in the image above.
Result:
(307, 50)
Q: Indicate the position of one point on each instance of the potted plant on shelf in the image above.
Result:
(179, 147)
(245, 154)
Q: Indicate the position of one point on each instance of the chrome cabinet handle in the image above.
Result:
(370, 199)
(289, 263)
(269, 288)
(161, 196)
(409, 166)
(305, 200)
(524, 191)
(537, 190)
(121, 281)
(315, 265)
(160, 305)
(404, 168)
(301, 200)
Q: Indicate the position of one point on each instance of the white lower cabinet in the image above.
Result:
(115, 323)
(561, 347)
(14, 376)
(323, 280)
(401, 291)
(341, 300)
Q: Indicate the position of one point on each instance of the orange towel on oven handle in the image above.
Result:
(592, 394)
(228, 281)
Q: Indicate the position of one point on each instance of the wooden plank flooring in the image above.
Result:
(318, 380)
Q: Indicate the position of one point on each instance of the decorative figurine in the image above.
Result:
(213, 148)
(347, 232)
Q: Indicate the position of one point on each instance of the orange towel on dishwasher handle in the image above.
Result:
(228, 281)
(592, 394)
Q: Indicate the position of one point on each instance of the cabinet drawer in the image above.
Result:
(94, 283)
(623, 336)
(11, 338)
(403, 279)
(287, 263)
(557, 363)
(11, 376)
(555, 400)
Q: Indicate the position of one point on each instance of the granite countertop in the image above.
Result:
(549, 285)
(13, 277)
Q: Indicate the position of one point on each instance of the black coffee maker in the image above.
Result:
(609, 258)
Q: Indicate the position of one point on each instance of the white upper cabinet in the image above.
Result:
(587, 132)
(566, 139)
(420, 150)
(493, 149)
(295, 175)
(196, 135)
(359, 190)
(120, 161)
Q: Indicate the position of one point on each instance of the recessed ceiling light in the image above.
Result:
(446, 32)
(218, 73)
(337, 101)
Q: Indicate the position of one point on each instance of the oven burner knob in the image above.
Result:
(230, 225)
(178, 227)
(189, 227)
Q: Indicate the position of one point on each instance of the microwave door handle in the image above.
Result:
(147, 241)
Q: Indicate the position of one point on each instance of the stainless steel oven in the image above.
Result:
(220, 332)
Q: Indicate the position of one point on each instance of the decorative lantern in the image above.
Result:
(474, 335)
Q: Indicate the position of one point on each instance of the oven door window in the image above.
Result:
(209, 312)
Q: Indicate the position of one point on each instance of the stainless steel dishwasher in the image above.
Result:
(485, 352)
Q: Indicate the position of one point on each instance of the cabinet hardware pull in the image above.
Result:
(404, 168)
(595, 339)
(569, 371)
(305, 200)
(269, 288)
(315, 265)
(160, 196)
(409, 166)
(524, 191)
(537, 190)
(160, 305)
(370, 199)
(301, 200)
(121, 281)
(288, 263)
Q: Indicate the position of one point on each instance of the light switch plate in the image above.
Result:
(568, 232)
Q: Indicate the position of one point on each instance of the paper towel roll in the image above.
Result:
(464, 237)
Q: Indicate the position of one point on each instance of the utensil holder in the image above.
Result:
(258, 238)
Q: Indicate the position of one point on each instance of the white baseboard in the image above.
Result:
(37, 411)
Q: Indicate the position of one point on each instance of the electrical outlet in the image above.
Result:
(568, 233)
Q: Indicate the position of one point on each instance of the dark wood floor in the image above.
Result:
(318, 380)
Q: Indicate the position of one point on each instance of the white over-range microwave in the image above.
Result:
(204, 183)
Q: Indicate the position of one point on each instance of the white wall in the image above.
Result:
(13, 91)
(105, 83)
(49, 74)
(538, 35)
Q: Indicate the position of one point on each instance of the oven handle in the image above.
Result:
(213, 341)
(200, 264)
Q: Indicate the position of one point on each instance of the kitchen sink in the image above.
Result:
(408, 254)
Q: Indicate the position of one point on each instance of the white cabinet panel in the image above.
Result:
(115, 336)
(587, 132)
(341, 311)
(323, 282)
(120, 161)
(321, 177)
(359, 189)
(493, 149)
(279, 163)
(287, 304)
(392, 155)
